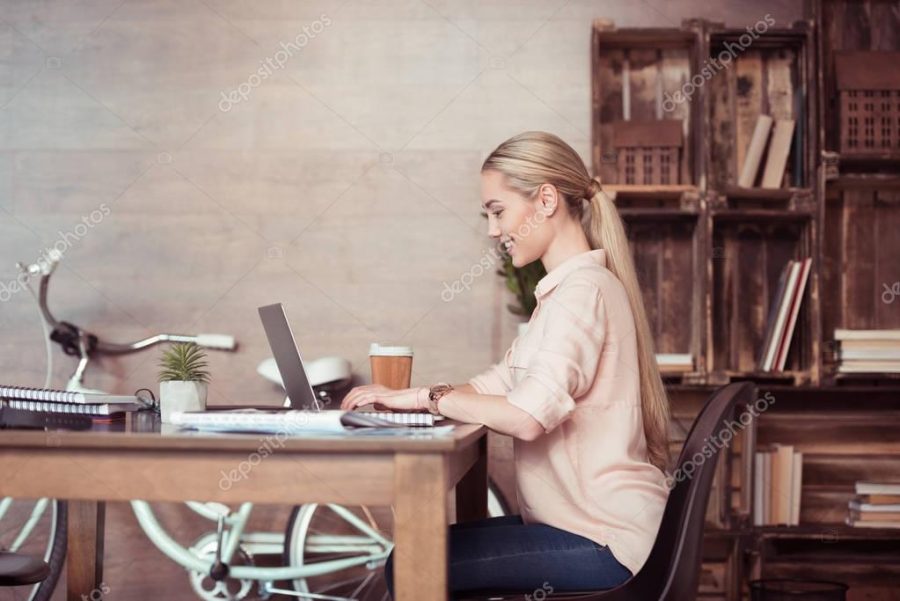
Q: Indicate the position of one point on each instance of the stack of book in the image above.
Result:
(42, 400)
(876, 505)
(783, 313)
(868, 351)
(777, 486)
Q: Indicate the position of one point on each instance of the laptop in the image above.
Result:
(293, 373)
(287, 358)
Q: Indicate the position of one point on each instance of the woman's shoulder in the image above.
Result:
(594, 276)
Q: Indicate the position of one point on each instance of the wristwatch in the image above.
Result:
(434, 395)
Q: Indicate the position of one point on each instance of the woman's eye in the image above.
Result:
(498, 213)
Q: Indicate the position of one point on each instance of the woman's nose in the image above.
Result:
(493, 227)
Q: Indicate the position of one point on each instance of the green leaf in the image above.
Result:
(184, 362)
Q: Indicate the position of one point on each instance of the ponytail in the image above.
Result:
(605, 230)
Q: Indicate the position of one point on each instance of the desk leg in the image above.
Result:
(471, 490)
(420, 527)
(84, 557)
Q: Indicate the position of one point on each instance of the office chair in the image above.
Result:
(18, 570)
(672, 569)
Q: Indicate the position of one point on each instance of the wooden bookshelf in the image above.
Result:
(709, 254)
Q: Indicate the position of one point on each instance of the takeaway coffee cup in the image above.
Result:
(391, 365)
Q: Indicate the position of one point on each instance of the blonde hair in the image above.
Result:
(533, 158)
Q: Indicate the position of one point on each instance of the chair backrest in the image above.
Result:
(672, 569)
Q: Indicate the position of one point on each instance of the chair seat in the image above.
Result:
(18, 570)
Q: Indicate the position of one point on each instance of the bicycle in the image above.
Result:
(326, 548)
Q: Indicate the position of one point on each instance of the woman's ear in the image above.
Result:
(549, 198)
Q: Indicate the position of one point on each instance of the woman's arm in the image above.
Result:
(494, 411)
(463, 404)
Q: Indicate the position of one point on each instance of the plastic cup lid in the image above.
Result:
(390, 351)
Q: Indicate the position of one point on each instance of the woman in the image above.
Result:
(579, 391)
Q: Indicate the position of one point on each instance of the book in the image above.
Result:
(867, 367)
(875, 516)
(782, 315)
(755, 150)
(799, 289)
(877, 488)
(871, 345)
(862, 506)
(782, 475)
(845, 334)
(868, 354)
(779, 149)
(796, 489)
(877, 500)
(63, 396)
(759, 488)
(773, 315)
(104, 409)
(862, 524)
(767, 490)
(674, 362)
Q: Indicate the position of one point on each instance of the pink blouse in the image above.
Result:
(575, 370)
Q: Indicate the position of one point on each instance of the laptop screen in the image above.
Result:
(287, 357)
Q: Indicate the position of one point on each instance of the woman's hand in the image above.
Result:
(395, 400)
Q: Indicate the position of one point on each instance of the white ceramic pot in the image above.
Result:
(180, 396)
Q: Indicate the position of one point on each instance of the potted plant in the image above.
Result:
(183, 380)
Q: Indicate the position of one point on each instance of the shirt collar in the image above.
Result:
(558, 273)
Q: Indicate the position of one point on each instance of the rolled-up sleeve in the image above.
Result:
(497, 379)
(565, 364)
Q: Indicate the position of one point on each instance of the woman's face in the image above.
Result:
(514, 219)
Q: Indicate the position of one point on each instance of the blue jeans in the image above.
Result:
(504, 554)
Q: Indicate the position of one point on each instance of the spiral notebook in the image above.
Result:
(70, 408)
(63, 396)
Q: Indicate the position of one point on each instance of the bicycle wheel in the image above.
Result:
(319, 533)
(36, 528)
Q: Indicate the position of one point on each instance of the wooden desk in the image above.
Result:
(412, 474)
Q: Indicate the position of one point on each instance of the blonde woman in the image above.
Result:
(579, 391)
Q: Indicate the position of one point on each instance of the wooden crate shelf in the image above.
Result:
(667, 248)
(636, 73)
(750, 249)
(838, 208)
(770, 75)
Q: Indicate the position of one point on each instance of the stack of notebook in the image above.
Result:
(876, 505)
(43, 400)
(868, 351)
(783, 313)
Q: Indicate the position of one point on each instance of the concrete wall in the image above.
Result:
(345, 185)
